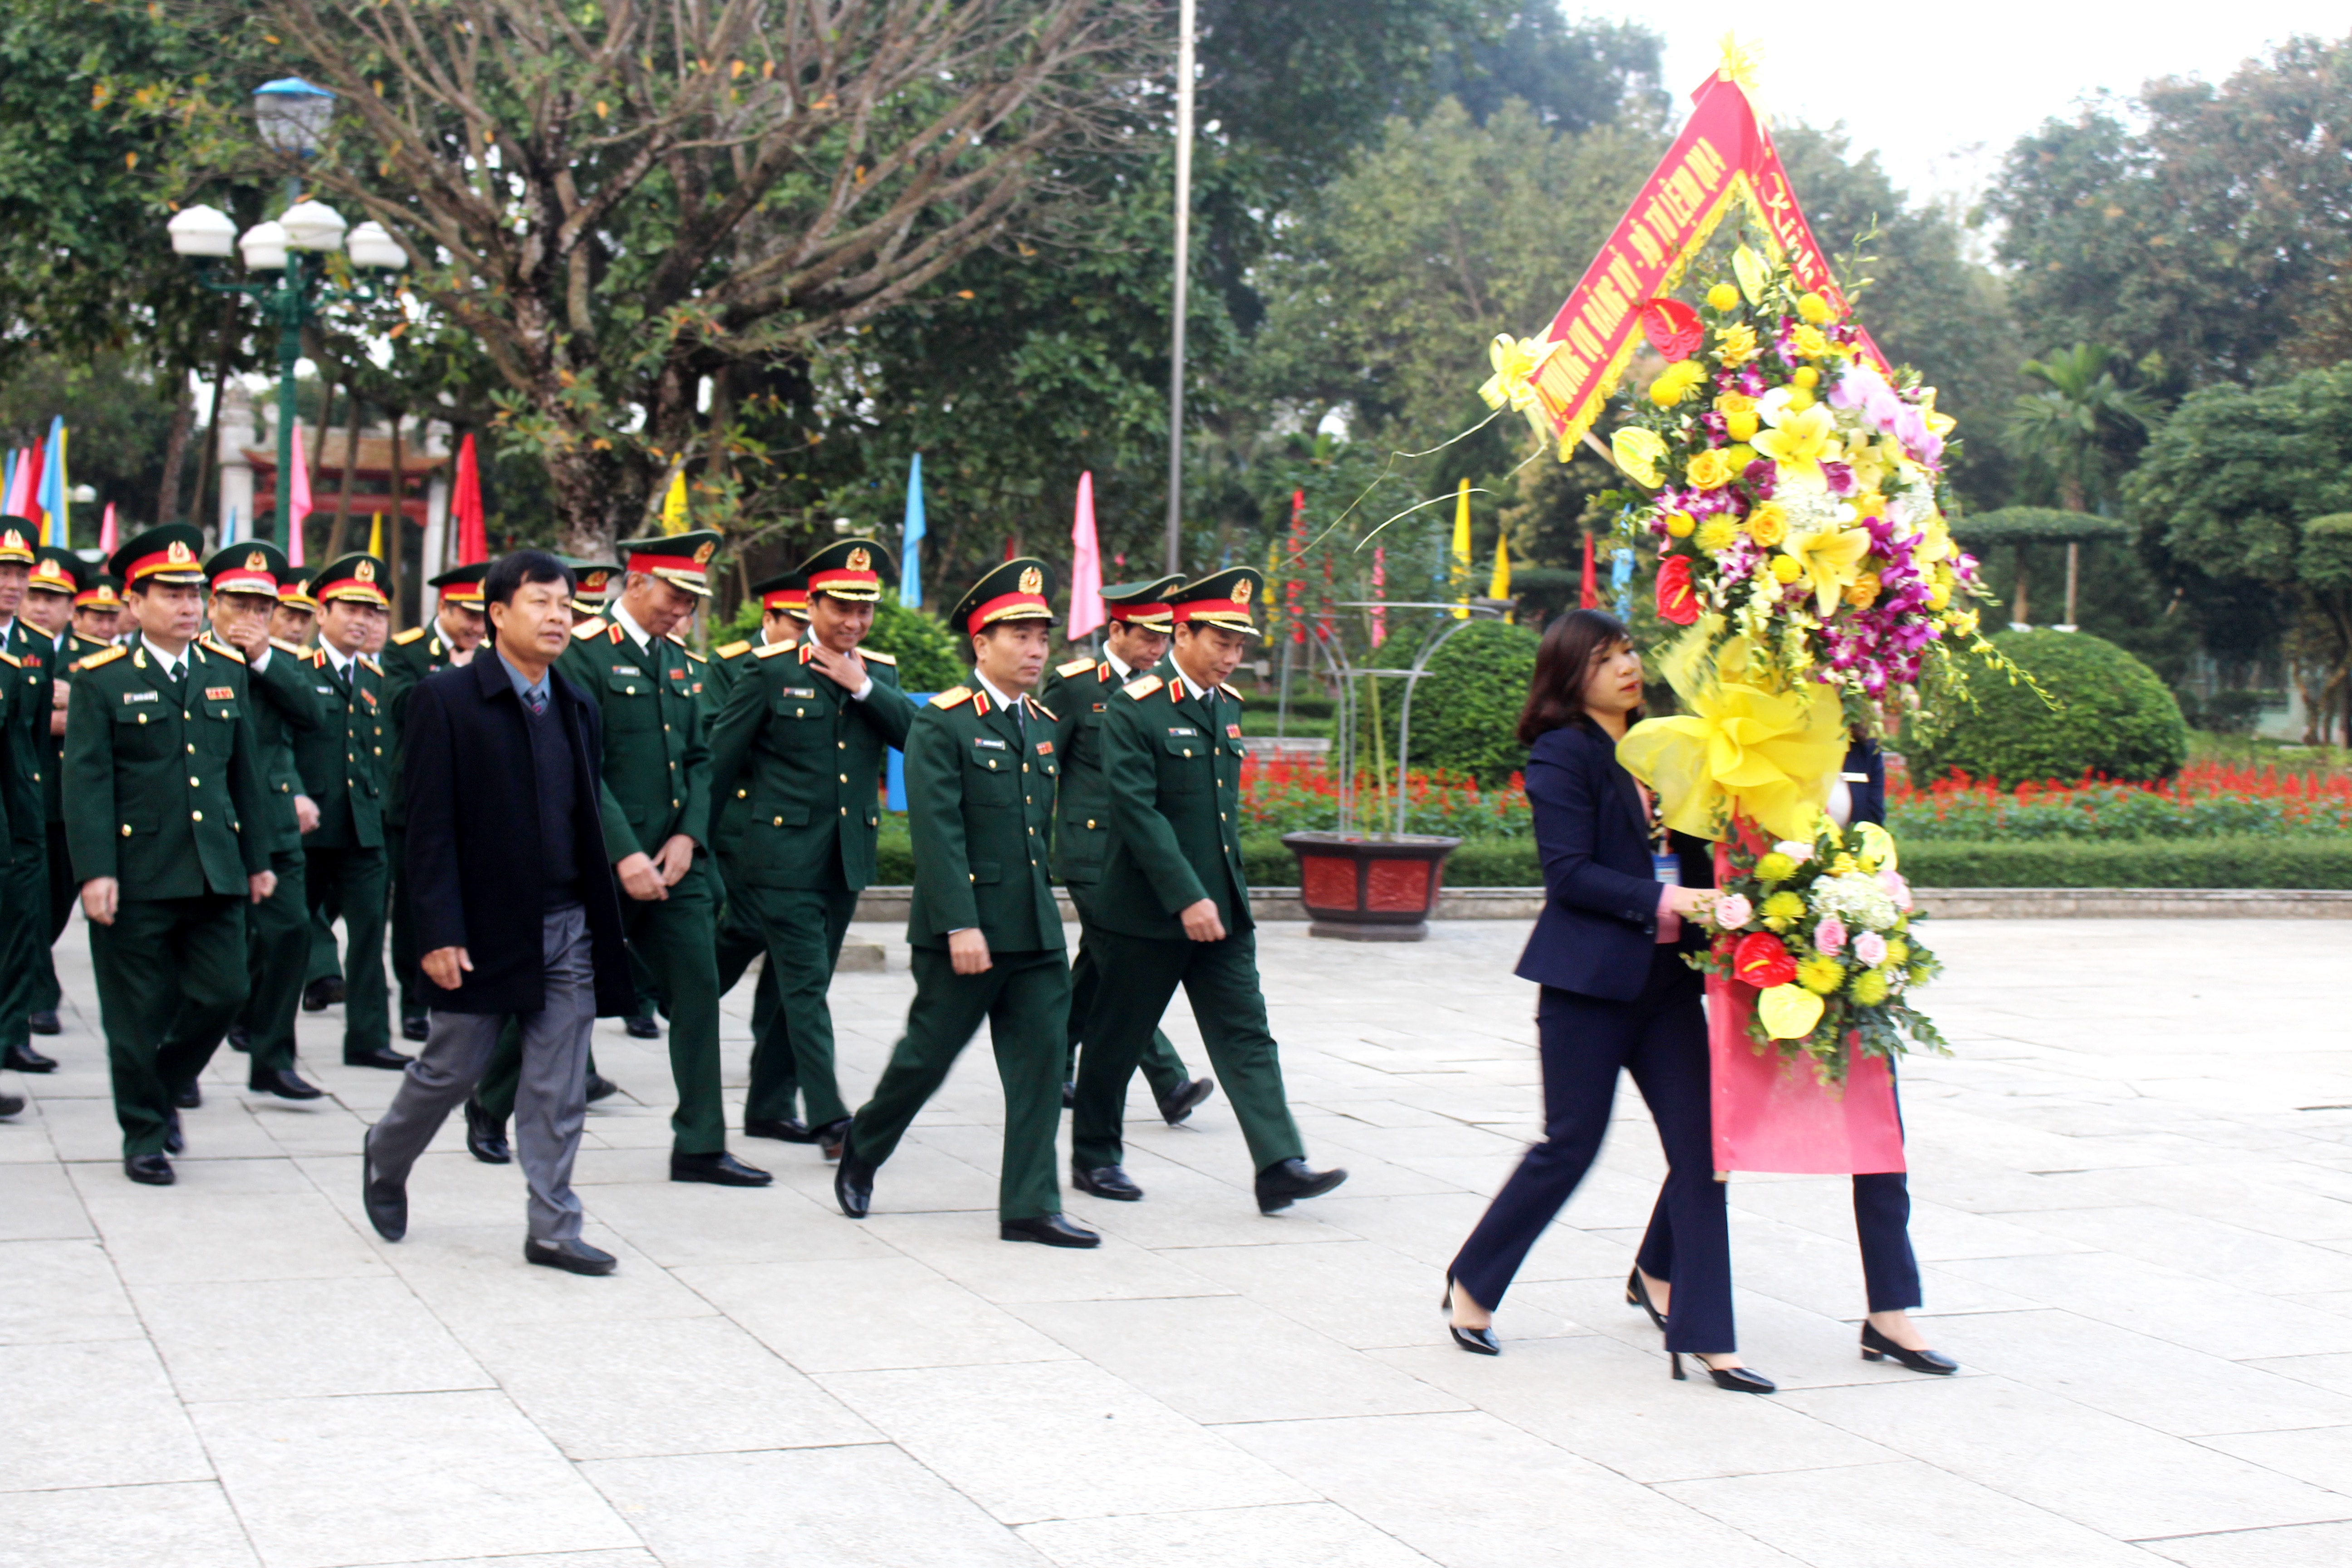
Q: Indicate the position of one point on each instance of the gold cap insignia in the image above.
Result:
(1241, 591)
(12, 539)
(365, 572)
(256, 562)
(704, 552)
(178, 554)
(860, 559)
(1032, 580)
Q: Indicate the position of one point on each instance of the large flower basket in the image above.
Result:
(1369, 887)
(1774, 1113)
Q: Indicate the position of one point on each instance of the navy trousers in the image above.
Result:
(1660, 1037)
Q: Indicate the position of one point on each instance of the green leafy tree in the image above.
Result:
(2076, 433)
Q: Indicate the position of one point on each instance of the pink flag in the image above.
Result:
(300, 479)
(19, 471)
(1086, 572)
(106, 539)
(473, 536)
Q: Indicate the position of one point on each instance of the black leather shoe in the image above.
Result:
(829, 1138)
(853, 1186)
(188, 1096)
(1876, 1346)
(573, 1256)
(174, 1140)
(240, 1038)
(284, 1085)
(600, 1088)
(1733, 1379)
(643, 1028)
(1186, 1100)
(43, 1022)
(24, 1059)
(486, 1136)
(383, 1057)
(1106, 1182)
(321, 995)
(720, 1170)
(417, 1026)
(1069, 1097)
(1637, 1294)
(11, 1103)
(386, 1201)
(791, 1130)
(1051, 1229)
(1285, 1182)
(149, 1170)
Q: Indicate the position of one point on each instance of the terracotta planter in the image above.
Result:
(1369, 887)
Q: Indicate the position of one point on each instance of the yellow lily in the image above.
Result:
(1829, 561)
(1516, 363)
(1736, 748)
(1798, 439)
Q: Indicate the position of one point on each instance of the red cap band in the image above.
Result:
(1027, 606)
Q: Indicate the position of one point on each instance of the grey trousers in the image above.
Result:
(550, 1098)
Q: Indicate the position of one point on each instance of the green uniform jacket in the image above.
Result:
(809, 760)
(1173, 766)
(980, 806)
(53, 764)
(407, 659)
(342, 761)
(33, 664)
(656, 762)
(161, 789)
(730, 812)
(1080, 692)
(284, 705)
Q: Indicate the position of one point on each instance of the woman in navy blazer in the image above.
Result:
(1608, 951)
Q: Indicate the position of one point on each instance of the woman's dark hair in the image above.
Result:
(1555, 695)
(508, 573)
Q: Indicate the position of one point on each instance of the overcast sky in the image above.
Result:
(1942, 91)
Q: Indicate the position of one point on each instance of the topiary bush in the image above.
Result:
(1464, 708)
(931, 658)
(2113, 717)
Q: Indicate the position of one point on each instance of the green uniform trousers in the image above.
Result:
(23, 937)
(674, 939)
(1021, 997)
(352, 881)
(1139, 976)
(277, 955)
(802, 928)
(741, 942)
(171, 975)
(64, 893)
(407, 975)
(326, 963)
(1163, 1069)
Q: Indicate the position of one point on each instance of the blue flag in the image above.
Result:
(910, 541)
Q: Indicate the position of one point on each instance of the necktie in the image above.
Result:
(537, 696)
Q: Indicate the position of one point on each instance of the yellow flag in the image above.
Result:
(375, 536)
(1460, 573)
(1500, 588)
(1272, 605)
(674, 504)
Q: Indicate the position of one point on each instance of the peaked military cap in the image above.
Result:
(358, 578)
(17, 537)
(166, 553)
(1019, 590)
(462, 586)
(681, 560)
(592, 582)
(294, 590)
(1143, 603)
(849, 569)
(788, 592)
(256, 567)
(56, 571)
(1221, 599)
(102, 591)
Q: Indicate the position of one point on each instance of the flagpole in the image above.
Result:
(1183, 267)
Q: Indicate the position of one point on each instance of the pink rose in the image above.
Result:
(1871, 948)
(1732, 911)
(1830, 935)
(1897, 889)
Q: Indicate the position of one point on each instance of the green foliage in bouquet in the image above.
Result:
(2106, 714)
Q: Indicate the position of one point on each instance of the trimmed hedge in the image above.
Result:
(1466, 707)
(2115, 719)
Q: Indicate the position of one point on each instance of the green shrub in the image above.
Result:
(2113, 717)
(1464, 708)
(931, 658)
(2325, 863)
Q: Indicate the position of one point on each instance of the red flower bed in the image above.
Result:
(2204, 800)
(1295, 798)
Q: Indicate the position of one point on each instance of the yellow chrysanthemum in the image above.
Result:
(1813, 308)
(1679, 524)
(1806, 377)
(1819, 973)
(1768, 524)
(1863, 590)
(1723, 297)
(1715, 534)
(1898, 952)
(1785, 568)
(1710, 469)
(1737, 343)
(1868, 988)
(1676, 382)
(1740, 454)
(1783, 905)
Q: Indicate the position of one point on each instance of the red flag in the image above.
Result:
(465, 505)
(28, 495)
(1589, 594)
(1294, 590)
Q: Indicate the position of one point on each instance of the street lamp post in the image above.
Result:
(292, 116)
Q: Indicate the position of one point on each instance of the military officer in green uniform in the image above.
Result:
(981, 766)
(345, 770)
(163, 803)
(56, 582)
(297, 613)
(456, 630)
(282, 705)
(24, 855)
(592, 588)
(98, 607)
(804, 735)
(1172, 907)
(1079, 689)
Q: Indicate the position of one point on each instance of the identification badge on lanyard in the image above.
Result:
(1668, 869)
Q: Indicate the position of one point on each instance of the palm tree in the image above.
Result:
(2079, 431)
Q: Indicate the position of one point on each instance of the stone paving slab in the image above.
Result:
(2133, 1187)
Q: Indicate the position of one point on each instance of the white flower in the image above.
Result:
(1857, 899)
(1795, 849)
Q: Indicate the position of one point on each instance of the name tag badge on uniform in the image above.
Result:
(991, 742)
(1044, 748)
(219, 693)
(1233, 731)
(326, 691)
(142, 697)
(1183, 729)
(626, 669)
(800, 691)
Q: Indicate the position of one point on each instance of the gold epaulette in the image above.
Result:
(952, 696)
(94, 660)
(1041, 708)
(282, 646)
(771, 649)
(734, 650)
(410, 635)
(10, 659)
(1232, 693)
(1075, 667)
(879, 656)
(222, 648)
(593, 627)
(675, 638)
(1143, 688)
(369, 660)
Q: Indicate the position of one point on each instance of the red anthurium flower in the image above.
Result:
(1762, 960)
(1677, 600)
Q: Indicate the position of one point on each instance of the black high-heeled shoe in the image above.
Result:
(1736, 1379)
(1478, 1341)
(1876, 1346)
(1637, 1294)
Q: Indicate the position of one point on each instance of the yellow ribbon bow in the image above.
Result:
(1516, 362)
(1736, 749)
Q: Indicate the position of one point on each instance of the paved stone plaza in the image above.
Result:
(2134, 1191)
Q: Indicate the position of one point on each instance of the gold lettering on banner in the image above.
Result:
(1621, 270)
(1607, 306)
(1581, 339)
(1688, 195)
(1654, 255)
(1706, 162)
